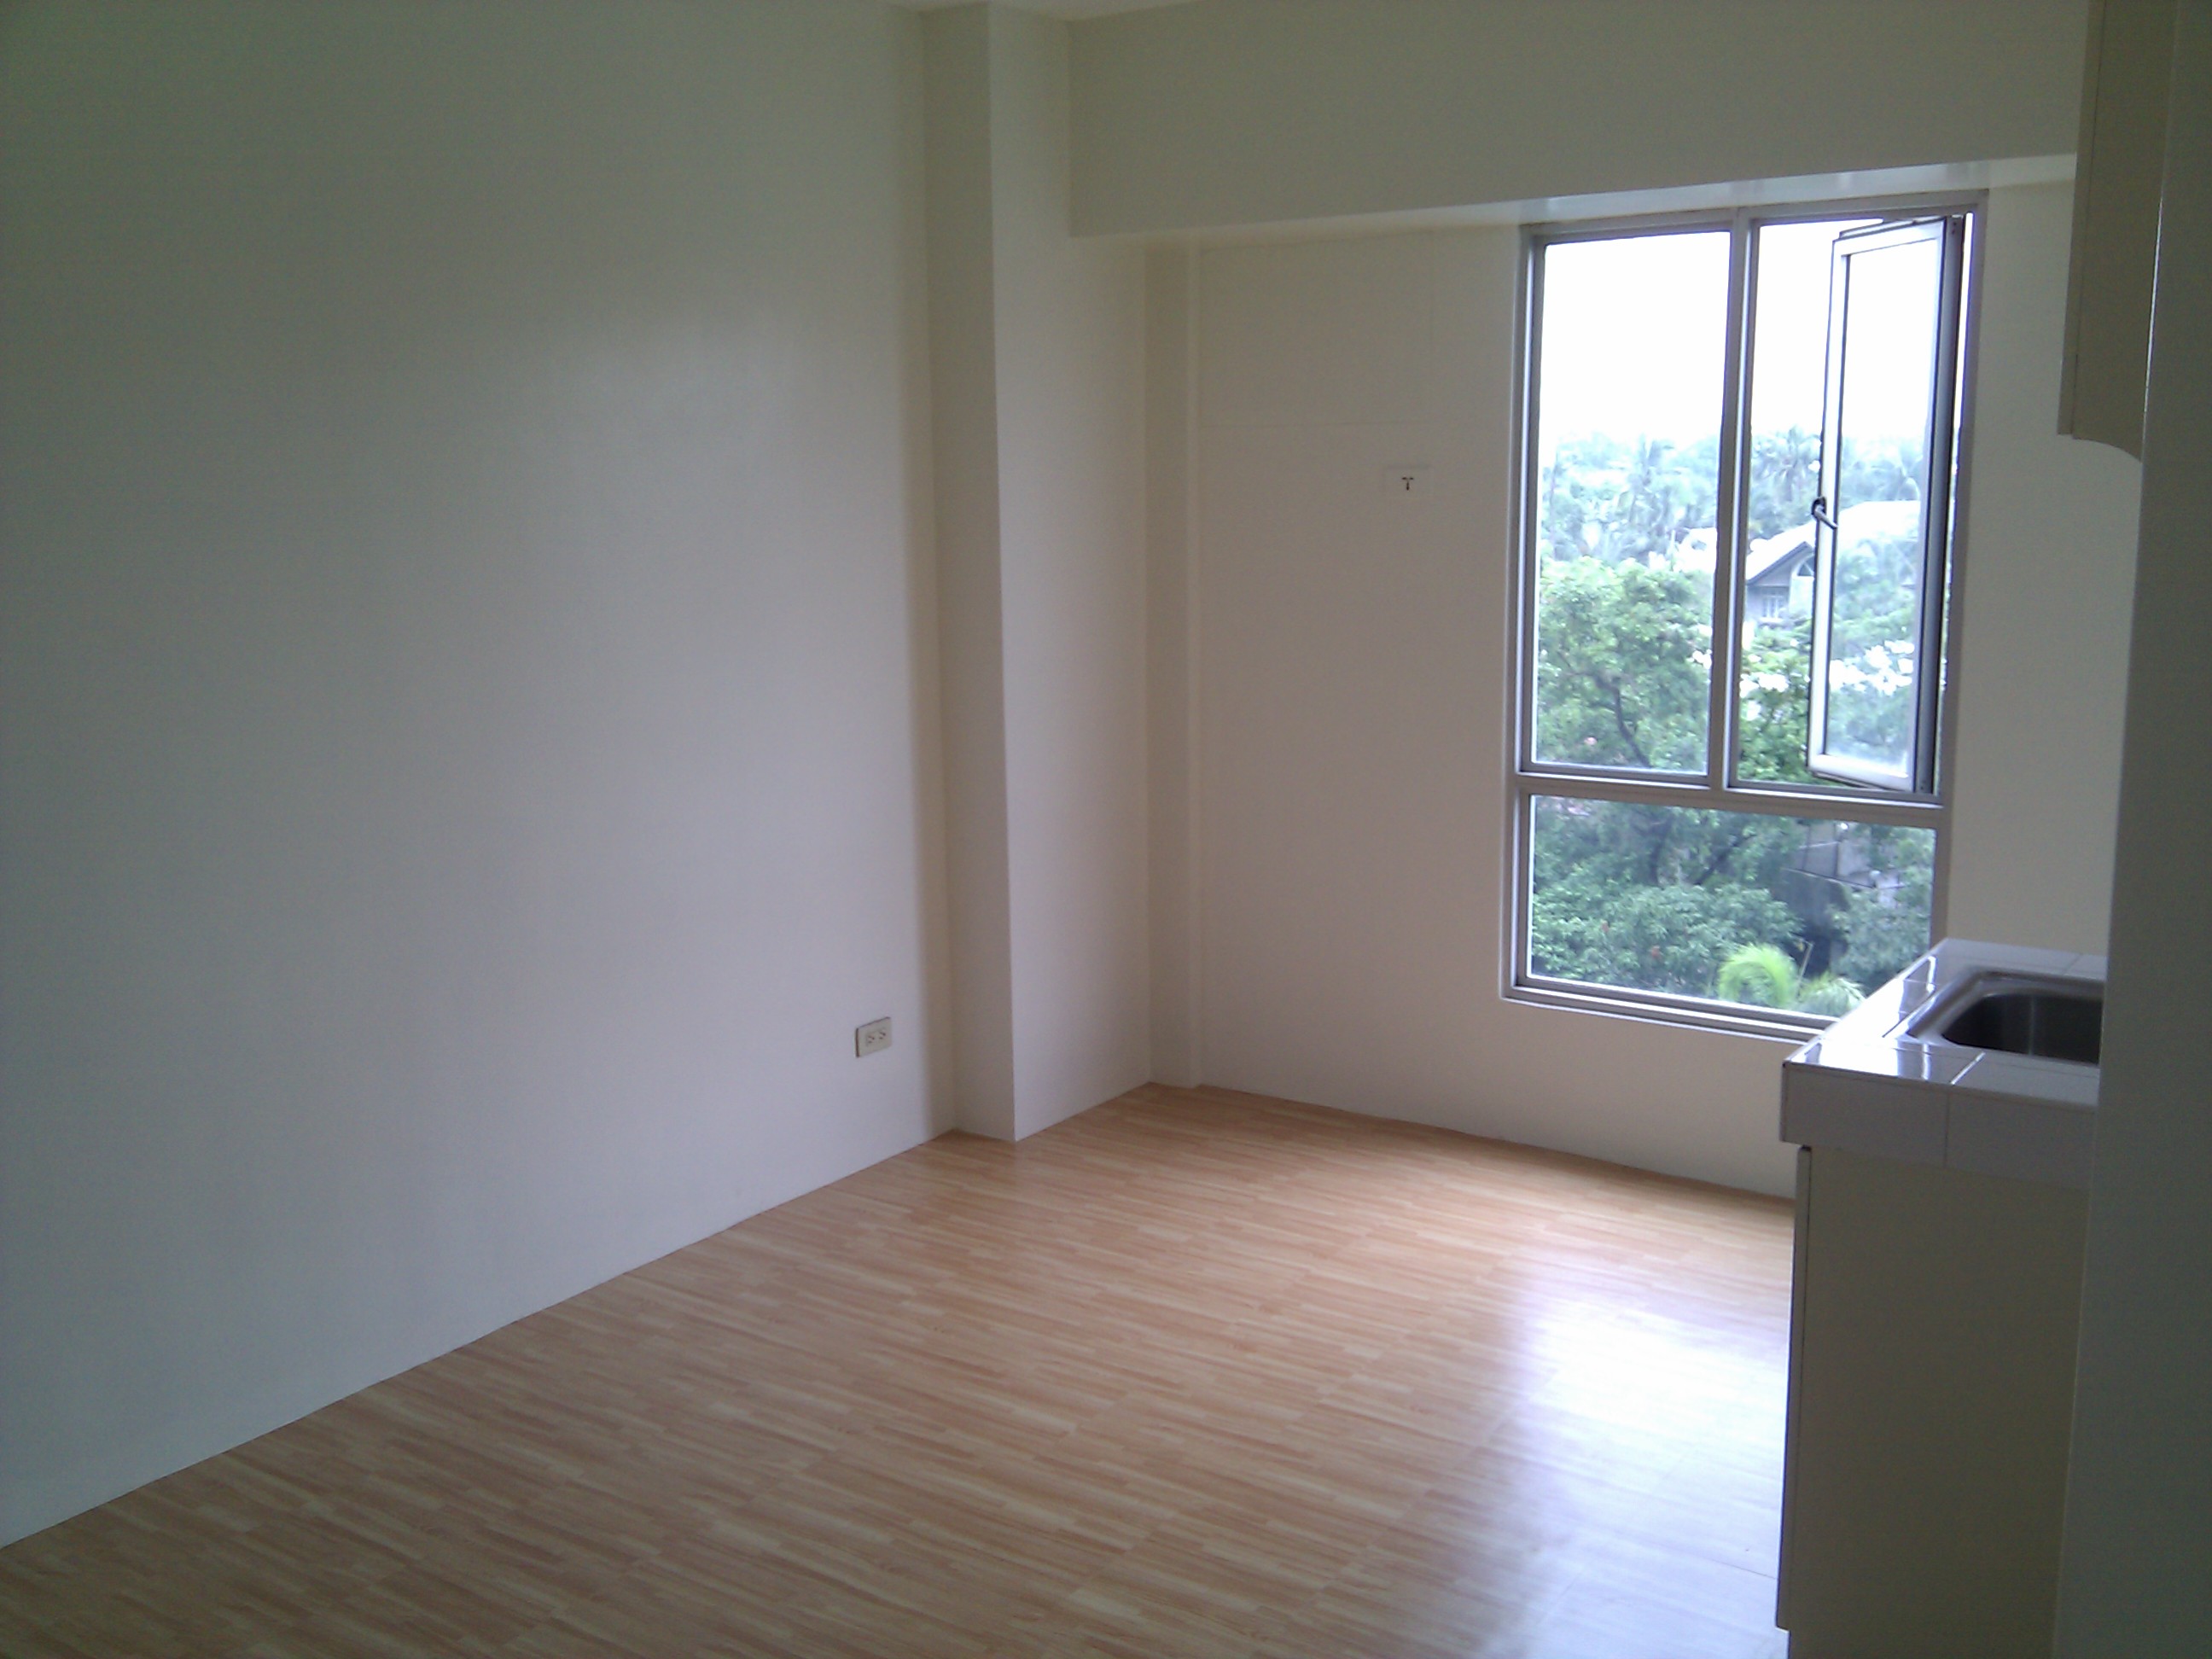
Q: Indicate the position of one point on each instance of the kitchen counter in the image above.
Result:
(1869, 1084)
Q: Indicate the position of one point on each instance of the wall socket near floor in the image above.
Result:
(872, 1037)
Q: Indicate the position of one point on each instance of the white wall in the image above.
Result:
(466, 694)
(2139, 1490)
(2049, 577)
(1171, 662)
(1071, 479)
(1037, 348)
(1353, 683)
(963, 384)
(1235, 111)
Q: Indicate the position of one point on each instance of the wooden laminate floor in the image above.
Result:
(1194, 1373)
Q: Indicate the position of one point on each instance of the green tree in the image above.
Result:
(1652, 897)
(1774, 706)
(1620, 650)
(1872, 645)
(1885, 923)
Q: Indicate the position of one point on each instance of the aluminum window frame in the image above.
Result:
(1720, 787)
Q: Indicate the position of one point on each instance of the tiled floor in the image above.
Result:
(1194, 1373)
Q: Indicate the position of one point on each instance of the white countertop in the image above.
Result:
(1866, 1086)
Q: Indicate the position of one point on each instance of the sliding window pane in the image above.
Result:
(1628, 397)
(1800, 914)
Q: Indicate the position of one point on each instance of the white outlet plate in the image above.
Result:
(872, 1037)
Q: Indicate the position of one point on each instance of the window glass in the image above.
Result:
(1893, 303)
(1788, 353)
(1804, 914)
(1630, 368)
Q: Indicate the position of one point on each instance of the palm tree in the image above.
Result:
(1785, 471)
(1648, 509)
(1766, 977)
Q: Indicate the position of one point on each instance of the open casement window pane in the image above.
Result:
(1885, 504)
(1801, 915)
(1627, 386)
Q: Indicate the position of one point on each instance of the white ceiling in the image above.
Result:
(1055, 8)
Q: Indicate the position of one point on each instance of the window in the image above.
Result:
(1738, 497)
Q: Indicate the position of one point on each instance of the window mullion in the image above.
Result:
(1728, 564)
(1526, 428)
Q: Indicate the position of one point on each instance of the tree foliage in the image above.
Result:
(1610, 501)
(1651, 897)
(1621, 676)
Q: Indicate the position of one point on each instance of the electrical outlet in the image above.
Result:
(1411, 479)
(873, 1037)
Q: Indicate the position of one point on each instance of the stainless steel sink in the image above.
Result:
(2045, 1017)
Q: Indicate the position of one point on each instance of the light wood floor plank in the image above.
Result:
(1193, 1373)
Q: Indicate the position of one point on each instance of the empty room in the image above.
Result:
(1263, 829)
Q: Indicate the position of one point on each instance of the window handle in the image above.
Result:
(1821, 514)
